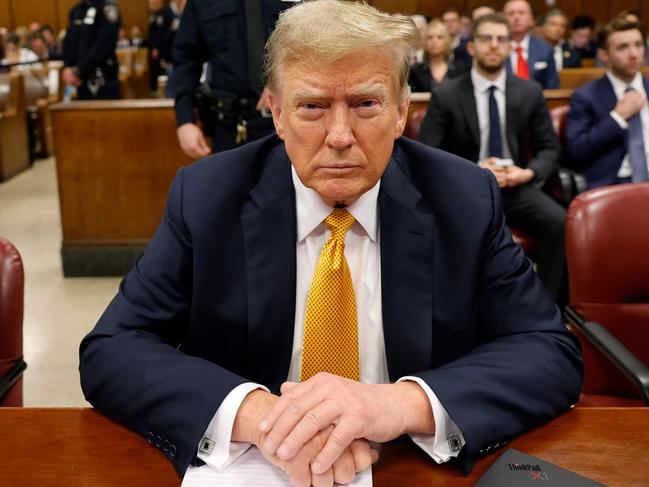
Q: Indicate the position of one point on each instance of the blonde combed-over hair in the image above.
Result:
(317, 32)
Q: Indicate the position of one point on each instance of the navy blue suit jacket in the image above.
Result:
(211, 302)
(540, 59)
(595, 143)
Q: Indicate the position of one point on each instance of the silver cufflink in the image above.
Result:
(207, 446)
(454, 442)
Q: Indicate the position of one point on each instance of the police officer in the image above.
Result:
(159, 24)
(89, 58)
(230, 35)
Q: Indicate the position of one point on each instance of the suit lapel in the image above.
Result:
(269, 226)
(531, 56)
(407, 239)
(468, 102)
(513, 102)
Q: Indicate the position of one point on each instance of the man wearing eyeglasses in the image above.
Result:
(501, 122)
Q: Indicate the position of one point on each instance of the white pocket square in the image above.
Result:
(540, 65)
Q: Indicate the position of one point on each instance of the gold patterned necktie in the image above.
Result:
(330, 326)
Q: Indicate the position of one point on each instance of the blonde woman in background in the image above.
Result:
(436, 66)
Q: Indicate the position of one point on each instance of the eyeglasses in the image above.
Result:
(488, 39)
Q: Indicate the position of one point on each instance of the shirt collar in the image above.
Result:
(482, 84)
(525, 43)
(311, 210)
(619, 86)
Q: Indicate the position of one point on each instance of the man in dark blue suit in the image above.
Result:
(531, 57)
(454, 341)
(607, 131)
(553, 29)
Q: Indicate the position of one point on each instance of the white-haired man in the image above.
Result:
(332, 285)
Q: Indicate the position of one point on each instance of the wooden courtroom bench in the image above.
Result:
(14, 146)
(576, 77)
(115, 161)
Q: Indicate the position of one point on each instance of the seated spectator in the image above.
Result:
(122, 40)
(495, 119)
(607, 131)
(480, 10)
(437, 65)
(14, 54)
(553, 28)
(531, 57)
(581, 37)
(417, 55)
(137, 40)
(53, 52)
(459, 55)
(38, 45)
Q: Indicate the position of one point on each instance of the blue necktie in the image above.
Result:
(495, 138)
(635, 148)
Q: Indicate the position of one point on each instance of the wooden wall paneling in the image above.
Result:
(407, 7)
(134, 13)
(27, 11)
(5, 14)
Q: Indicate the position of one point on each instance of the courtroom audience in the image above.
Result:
(122, 41)
(459, 55)
(501, 123)
(38, 45)
(581, 37)
(417, 54)
(437, 65)
(607, 131)
(15, 54)
(531, 57)
(137, 39)
(553, 27)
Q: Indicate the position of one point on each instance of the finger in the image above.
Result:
(325, 479)
(285, 414)
(375, 455)
(307, 427)
(344, 467)
(362, 454)
(339, 439)
(287, 386)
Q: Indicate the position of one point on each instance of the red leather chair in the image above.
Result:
(607, 240)
(11, 325)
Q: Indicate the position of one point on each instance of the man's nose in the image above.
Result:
(340, 133)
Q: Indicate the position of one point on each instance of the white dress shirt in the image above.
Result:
(558, 56)
(481, 87)
(619, 87)
(525, 46)
(364, 259)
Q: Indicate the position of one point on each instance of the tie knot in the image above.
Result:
(519, 49)
(629, 88)
(492, 89)
(339, 221)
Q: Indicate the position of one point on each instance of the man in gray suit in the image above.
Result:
(501, 122)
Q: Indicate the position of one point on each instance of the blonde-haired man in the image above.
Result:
(332, 285)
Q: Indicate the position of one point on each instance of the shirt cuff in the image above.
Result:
(448, 440)
(215, 448)
(620, 121)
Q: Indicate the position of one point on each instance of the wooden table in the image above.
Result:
(79, 447)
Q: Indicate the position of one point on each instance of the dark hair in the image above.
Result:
(14, 39)
(583, 21)
(555, 12)
(495, 18)
(618, 24)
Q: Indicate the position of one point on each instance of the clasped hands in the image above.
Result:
(318, 431)
(507, 177)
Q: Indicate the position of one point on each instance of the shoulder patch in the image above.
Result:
(111, 12)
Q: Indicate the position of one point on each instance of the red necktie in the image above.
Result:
(522, 68)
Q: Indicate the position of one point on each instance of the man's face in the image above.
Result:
(452, 22)
(555, 28)
(519, 16)
(490, 46)
(624, 53)
(339, 121)
(581, 37)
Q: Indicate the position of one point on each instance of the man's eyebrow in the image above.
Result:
(374, 89)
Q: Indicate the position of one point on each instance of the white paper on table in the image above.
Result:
(252, 470)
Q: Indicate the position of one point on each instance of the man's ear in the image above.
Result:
(276, 109)
(470, 48)
(602, 54)
(402, 117)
